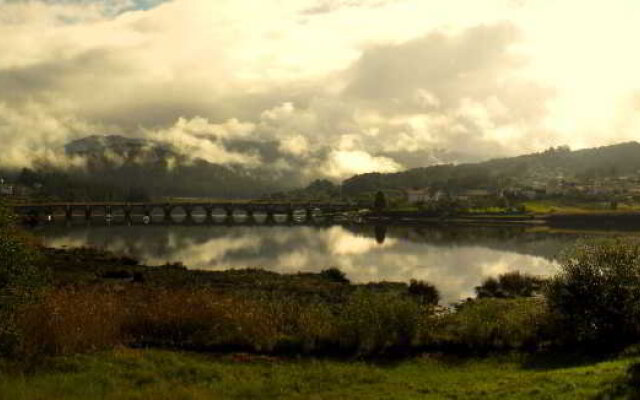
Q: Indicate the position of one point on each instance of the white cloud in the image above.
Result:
(200, 139)
(344, 163)
(339, 86)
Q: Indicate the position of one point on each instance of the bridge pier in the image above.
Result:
(88, 212)
(68, 211)
(127, 209)
(270, 218)
(229, 212)
(251, 218)
(167, 210)
(188, 210)
(289, 215)
(208, 211)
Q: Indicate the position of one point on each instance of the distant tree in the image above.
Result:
(380, 202)
(28, 177)
(424, 292)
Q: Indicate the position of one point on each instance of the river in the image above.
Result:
(455, 259)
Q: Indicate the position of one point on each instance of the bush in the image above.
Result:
(633, 375)
(510, 285)
(596, 296)
(21, 279)
(424, 292)
(334, 275)
(489, 324)
(20, 274)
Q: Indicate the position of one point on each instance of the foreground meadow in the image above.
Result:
(155, 374)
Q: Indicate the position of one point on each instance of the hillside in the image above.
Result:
(526, 170)
(121, 168)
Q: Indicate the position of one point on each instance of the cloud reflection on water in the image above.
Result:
(454, 260)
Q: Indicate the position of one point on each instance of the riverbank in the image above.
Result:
(624, 219)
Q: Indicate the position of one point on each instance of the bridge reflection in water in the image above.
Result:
(209, 212)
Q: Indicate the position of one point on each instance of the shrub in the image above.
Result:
(510, 285)
(6, 217)
(489, 324)
(633, 375)
(373, 322)
(20, 274)
(21, 279)
(424, 292)
(596, 296)
(334, 275)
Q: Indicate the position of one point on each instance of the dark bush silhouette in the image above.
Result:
(510, 285)
(334, 275)
(424, 292)
(117, 274)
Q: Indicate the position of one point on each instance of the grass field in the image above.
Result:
(576, 207)
(154, 374)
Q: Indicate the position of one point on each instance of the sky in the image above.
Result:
(319, 88)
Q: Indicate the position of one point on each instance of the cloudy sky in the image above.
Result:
(327, 88)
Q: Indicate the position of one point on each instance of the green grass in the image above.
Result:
(564, 206)
(138, 374)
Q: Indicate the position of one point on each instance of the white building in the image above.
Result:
(6, 190)
(426, 195)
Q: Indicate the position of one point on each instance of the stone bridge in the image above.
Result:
(37, 211)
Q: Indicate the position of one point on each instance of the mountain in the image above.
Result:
(120, 168)
(526, 170)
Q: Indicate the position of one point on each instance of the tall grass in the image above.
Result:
(72, 320)
(370, 322)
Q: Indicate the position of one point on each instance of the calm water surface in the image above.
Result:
(455, 259)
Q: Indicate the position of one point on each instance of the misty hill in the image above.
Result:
(159, 169)
(121, 168)
(526, 170)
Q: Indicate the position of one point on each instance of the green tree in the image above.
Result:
(380, 202)
(596, 295)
